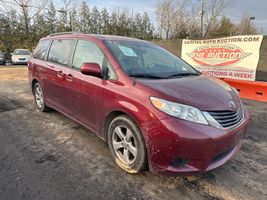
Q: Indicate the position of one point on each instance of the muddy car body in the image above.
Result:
(153, 109)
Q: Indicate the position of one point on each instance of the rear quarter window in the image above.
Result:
(41, 49)
(60, 51)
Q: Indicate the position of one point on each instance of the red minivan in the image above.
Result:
(154, 110)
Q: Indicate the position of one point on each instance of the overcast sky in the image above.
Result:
(256, 8)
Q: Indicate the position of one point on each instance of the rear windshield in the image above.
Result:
(21, 52)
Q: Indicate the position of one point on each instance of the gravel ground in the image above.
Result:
(48, 156)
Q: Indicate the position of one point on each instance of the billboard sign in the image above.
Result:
(232, 57)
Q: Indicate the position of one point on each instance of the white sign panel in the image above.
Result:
(231, 57)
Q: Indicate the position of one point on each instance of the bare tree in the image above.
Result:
(26, 9)
(212, 10)
(246, 27)
(65, 18)
(168, 13)
(193, 25)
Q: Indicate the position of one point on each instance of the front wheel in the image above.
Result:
(39, 98)
(127, 145)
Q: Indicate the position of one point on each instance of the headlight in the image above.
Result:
(181, 111)
(184, 112)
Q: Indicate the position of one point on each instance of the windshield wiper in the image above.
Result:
(146, 76)
(183, 74)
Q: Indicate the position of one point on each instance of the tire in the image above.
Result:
(127, 145)
(39, 98)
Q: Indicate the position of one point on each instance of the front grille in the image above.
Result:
(227, 118)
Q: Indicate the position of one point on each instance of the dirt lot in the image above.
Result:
(48, 156)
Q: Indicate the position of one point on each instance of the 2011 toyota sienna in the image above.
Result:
(154, 110)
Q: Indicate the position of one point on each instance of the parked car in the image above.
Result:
(2, 58)
(20, 56)
(153, 109)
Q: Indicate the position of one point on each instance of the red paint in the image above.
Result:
(89, 100)
(92, 69)
(218, 55)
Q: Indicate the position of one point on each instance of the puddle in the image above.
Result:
(7, 104)
(46, 157)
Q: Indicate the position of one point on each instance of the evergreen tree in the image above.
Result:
(63, 22)
(51, 19)
(224, 28)
(105, 24)
(95, 21)
(39, 25)
(113, 23)
(123, 28)
(74, 20)
(137, 26)
(21, 28)
(146, 27)
(85, 23)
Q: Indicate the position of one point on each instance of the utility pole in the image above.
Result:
(202, 12)
(132, 23)
(249, 20)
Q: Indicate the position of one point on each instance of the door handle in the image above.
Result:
(60, 74)
(69, 77)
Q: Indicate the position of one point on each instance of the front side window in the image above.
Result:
(89, 52)
(146, 60)
(41, 49)
(60, 51)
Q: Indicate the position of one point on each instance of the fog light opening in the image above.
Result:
(178, 162)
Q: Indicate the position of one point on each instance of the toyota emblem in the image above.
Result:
(232, 104)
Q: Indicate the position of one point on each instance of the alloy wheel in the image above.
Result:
(39, 97)
(124, 144)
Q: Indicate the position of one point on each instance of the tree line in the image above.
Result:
(185, 19)
(24, 22)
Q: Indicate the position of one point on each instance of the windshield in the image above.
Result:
(21, 52)
(146, 60)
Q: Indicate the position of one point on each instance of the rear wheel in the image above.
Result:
(39, 98)
(127, 145)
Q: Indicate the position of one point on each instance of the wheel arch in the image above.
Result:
(34, 81)
(112, 115)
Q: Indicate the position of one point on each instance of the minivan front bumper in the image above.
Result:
(181, 147)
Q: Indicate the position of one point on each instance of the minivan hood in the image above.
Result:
(206, 94)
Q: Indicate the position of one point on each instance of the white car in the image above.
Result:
(20, 56)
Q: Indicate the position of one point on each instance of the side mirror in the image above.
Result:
(92, 69)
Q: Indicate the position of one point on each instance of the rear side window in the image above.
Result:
(60, 51)
(41, 49)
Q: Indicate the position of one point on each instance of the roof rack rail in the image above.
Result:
(63, 33)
